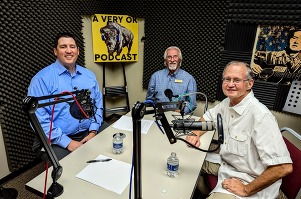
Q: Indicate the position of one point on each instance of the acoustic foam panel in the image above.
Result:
(197, 28)
(27, 32)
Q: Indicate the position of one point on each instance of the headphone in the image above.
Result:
(103, 35)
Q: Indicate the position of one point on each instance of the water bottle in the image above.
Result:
(117, 143)
(172, 165)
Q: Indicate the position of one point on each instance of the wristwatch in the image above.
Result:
(93, 131)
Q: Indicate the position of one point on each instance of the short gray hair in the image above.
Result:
(249, 74)
(173, 47)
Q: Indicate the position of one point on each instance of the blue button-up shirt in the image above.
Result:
(180, 83)
(55, 79)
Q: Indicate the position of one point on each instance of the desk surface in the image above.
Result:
(155, 149)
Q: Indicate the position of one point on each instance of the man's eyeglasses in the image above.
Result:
(227, 80)
(169, 57)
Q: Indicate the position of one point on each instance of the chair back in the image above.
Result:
(291, 184)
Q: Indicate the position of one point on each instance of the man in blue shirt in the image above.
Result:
(67, 133)
(173, 79)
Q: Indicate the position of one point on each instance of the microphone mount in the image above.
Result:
(29, 106)
(138, 112)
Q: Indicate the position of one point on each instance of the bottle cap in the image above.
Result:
(122, 135)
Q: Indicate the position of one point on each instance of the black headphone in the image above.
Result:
(103, 34)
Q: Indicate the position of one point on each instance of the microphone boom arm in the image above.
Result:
(30, 105)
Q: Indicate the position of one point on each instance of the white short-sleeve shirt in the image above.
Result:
(252, 142)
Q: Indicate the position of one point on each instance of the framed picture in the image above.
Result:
(115, 38)
(277, 54)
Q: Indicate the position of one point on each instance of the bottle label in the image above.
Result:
(172, 167)
(117, 146)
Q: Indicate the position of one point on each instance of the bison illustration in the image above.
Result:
(116, 37)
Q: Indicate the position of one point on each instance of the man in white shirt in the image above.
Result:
(254, 157)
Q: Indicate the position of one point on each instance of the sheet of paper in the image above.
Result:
(113, 175)
(126, 123)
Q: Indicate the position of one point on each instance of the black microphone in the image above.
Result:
(199, 125)
(85, 101)
(193, 125)
(169, 94)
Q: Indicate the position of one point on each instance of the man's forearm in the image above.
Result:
(268, 177)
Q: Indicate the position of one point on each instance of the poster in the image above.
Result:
(115, 38)
(276, 54)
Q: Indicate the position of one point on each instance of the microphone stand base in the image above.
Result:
(55, 190)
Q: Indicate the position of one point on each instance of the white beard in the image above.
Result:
(172, 66)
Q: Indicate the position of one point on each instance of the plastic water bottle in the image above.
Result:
(172, 165)
(117, 143)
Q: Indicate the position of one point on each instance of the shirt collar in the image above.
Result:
(241, 106)
(61, 69)
(166, 71)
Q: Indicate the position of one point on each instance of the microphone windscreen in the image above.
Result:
(168, 93)
(76, 112)
(195, 125)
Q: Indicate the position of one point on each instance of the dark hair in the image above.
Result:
(63, 34)
(290, 35)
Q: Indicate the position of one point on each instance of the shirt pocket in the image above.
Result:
(237, 143)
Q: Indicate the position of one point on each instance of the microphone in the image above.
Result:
(182, 125)
(169, 94)
(179, 125)
(85, 101)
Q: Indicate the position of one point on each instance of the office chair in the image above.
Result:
(291, 184)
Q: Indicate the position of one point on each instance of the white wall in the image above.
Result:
(114, 76)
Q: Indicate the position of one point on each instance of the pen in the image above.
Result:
(101, 160)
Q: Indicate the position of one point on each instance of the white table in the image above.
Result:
(155, 149)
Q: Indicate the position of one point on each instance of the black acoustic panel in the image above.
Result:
(134, 8)
(197, 28)
(282, 93)
(268, 12)
(240, 37)
(228, 56)
(271, 94)
(26, 38)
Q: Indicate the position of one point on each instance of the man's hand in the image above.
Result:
(74, 145)
(234, 185)
(194, 139)
(256, 69)
(88, 137)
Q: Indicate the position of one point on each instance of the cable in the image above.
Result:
(132, 168)
(191, 145)
(78, 104)
(156, 118)
(49, 142)
(50, 132)
(206, 100)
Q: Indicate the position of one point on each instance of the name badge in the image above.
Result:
(178, 81)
